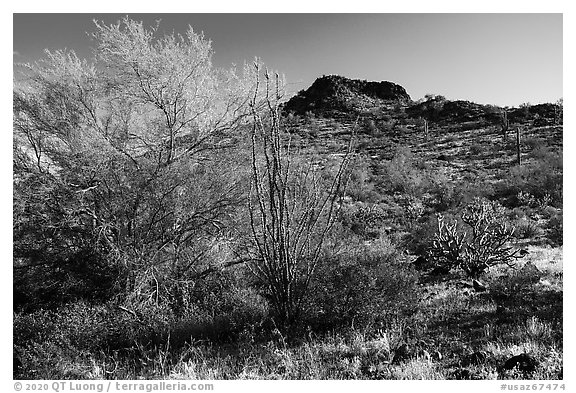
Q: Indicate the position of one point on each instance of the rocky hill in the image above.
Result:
(337, 93)
(458, 139)
(336, 96)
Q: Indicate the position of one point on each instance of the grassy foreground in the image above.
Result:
(454, 333)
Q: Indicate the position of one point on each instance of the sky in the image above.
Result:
(501, 59)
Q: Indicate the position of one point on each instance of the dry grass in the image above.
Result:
(452, 320)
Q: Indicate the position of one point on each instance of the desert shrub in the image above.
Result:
(292, 120)
(419, 239)
(534, 143)
(541, 178)
(467, 126)
(86, 275)
(219, 307)
(451, 137)
(364, 220)
(403, 174)
(222, 317)
(369, 127)
(78, 344)
(476, 243)
(527, 199)
(518, 213)
(44, 340)
(361, 286)
(548, 212)
(526, 229)
(442, 196)
(476, 149)
(58, 256)
(413, 207)
(555, 229)
(360, 186)
(309, 116)
(313, 130)
(541, 152)
(81, 326)
(401, 130)
(447, 194)
(514, 283)
(386, 125)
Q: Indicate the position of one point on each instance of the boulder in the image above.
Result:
(475, 359)
(478, 286)
(524, 362)
(402, 354)
(462, 373)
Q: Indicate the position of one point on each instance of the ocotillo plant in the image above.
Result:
(291, 209)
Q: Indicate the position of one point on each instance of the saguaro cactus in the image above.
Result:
(505, 123)
(558, 111)
(426, 129)
(518, 158)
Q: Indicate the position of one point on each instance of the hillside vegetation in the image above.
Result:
(147, 226)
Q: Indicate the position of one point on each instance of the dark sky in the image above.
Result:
(503, 59)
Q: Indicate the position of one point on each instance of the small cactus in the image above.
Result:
(477, 244)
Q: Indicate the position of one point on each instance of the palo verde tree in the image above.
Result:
(130, 155)
(291, 208)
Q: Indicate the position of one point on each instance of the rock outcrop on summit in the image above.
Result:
(337, 93)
